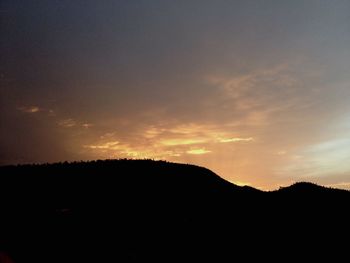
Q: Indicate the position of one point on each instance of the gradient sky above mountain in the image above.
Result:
(257, 91)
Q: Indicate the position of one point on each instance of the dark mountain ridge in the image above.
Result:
(133, 210)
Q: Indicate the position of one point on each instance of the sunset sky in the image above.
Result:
(257, 91)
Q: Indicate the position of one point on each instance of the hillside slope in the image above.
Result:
(127, 210)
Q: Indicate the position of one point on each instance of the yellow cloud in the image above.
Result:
(224, 140)
(107, 135)
(107, 145)
(188, 129)
(152, 133)
(198, 151)
(175, 142)
(163, 141)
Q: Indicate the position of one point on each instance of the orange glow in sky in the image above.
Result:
(257, 91)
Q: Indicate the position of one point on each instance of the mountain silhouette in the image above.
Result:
(139, 210)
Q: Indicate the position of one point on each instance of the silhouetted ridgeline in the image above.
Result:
(143, 210)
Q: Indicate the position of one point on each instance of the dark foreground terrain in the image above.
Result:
(144, 211)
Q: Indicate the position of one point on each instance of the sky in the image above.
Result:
(257, 91)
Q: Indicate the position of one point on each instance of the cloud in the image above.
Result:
(238, 130)
(163, 141)
(108, 135)
(281, 153)
(51, 113)
(198, 151)
(117, 149)
(251, 99)
(29, 109)
(320, 160)
(179, 141)
(67, 123)
(153, 132)
(87, 125)
(224, 140)
(192, 134)
(241, 86)
(108, 145)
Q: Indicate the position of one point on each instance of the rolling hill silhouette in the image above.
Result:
(138, 210)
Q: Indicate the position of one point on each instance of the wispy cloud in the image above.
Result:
(247, 85)
(320, 160)
(280, 153)
(51, 113)
(87, 125)
(165, 141)
(67, 123)
(179, 141)
(117, 149)
(192, 134)
(29, 109)
(255, 96)
(224, 140)
(108, 145)
(198, 151)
